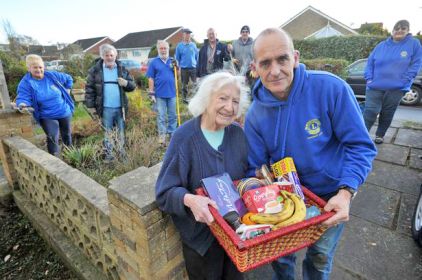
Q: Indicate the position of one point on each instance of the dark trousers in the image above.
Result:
(185, 75)
(214, 265)
(51, 128)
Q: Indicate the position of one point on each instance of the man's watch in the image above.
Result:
(352, 191)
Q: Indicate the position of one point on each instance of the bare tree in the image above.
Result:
(18, 44)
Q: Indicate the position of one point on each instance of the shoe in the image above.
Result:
(379, 140)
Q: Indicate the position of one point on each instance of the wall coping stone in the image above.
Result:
(137, 188)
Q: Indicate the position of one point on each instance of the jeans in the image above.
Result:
(113, 117)
(384, 103)
(51, 128)
(166, 106)
(319, 257)
(185, 75)
(214, 265)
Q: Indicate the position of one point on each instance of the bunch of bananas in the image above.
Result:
(294, 211)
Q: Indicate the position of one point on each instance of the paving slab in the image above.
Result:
(409, 137)
(376, 253)
(407, 207)
(415, 158)
(393, 153)
(389, 135)
(395, 177)
(376, 204)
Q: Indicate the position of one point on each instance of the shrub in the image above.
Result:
(78, 67)
(14, 70)
(335, 66)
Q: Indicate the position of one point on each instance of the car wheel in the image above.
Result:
(412, 97)
(417, 220)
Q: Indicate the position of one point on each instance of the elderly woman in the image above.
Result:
(209, 144)
(48, 93)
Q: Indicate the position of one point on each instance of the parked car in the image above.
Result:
(131, 64)
(55, 65)
(355, 79)
(417, 220)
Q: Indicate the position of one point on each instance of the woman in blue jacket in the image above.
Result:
(207, 145)
(48, 94)
(389, 73)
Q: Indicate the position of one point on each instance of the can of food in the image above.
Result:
(286, 168)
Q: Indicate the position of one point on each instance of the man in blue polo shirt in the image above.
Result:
(162, 90)
(187, 57)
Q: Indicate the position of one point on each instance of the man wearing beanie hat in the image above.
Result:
(242, 50)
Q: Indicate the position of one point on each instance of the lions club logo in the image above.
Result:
(403, 54)
(313, 127)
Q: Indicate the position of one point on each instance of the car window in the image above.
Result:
(358, 68)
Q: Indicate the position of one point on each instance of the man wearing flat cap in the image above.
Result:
(187, 58)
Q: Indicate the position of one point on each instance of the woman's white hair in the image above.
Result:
(212, 84)
(32, 59)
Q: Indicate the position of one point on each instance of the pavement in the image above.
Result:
(377, 242)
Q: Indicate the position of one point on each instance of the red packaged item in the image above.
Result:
(256, 199)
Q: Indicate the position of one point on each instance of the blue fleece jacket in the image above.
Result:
(190, 158)
(394, 65)
(320, 126)
(54, 104)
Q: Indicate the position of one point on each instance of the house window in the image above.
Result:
(136, 53)
(122, 54)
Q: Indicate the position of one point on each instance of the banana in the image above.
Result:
(299, 212)
(263, 218)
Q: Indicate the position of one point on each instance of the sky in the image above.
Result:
(53, 21)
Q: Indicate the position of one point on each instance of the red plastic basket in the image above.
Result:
(252, 253)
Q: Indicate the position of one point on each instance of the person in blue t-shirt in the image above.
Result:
(105, 94)
(313, 117)
(162, 90)
(392, 66)
(187, 57)
(48, 94)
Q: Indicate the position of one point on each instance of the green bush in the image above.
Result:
(335, 66)
(78, 66)
(349, 48)
(14, 70)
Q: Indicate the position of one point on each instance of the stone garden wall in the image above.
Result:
(119, 230)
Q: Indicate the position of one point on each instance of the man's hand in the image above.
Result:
(340, 203)
(198, 204)
(122, 82)
(152, 98)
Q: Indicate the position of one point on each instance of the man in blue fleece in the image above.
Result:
(314, 118)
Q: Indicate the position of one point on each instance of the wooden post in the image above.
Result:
(4, 93)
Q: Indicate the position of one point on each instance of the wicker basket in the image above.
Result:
(252, 253)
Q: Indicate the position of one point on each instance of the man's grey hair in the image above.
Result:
(162, 42)
(107, 48)
(212, 84)
(272, 30)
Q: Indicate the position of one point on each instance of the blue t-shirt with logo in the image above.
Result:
(163, 75)
(50, 101)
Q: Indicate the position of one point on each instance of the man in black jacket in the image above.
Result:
(105, 90)
(211, 55)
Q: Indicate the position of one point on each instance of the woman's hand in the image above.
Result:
(198, 204)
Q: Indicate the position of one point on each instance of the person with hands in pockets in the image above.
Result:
(48, 93)
(313, 117)
(209, 144)
(105, 93)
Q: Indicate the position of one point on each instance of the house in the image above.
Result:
(92, 45)
(46, 52)
(137, 45)
(314, 24)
